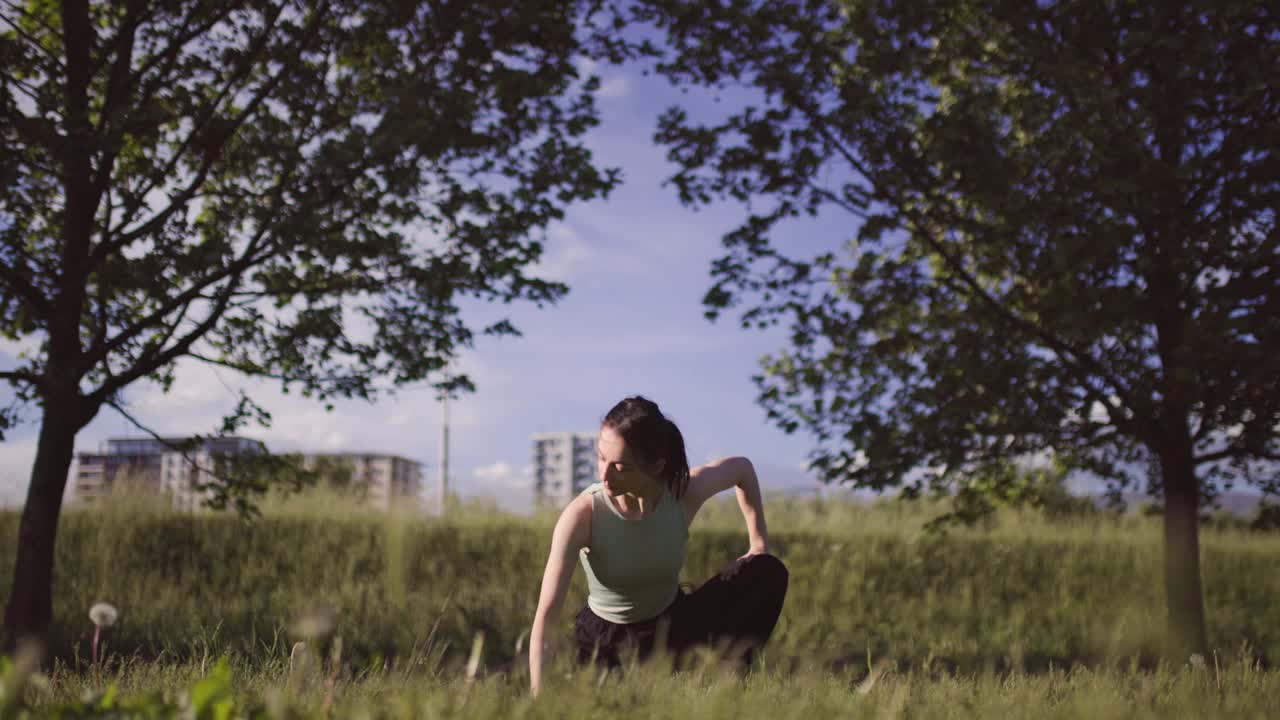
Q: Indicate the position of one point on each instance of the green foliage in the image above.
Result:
(296, 190)
(414, 592)
(1267, 518)
(1062, 218)
(1006, 484)
(209, 698)
(1063, 237)
(1023, 619)
(1233, 687)
(305, 198)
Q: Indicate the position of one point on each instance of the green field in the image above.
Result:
(1021, 618)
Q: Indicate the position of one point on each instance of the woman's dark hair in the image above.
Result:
(652, 437)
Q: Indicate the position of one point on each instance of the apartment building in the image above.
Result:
(564, 464)
(153, 465)
(380, 479)
(184, 476)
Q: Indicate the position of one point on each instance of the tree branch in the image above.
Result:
(247, 259)
(1230, 453)
(1076, 360)
(80, 208)
(118, 77)
(170, 53)
(1082, 365)
(183, 451)
(260, 372)
(169, 330)
(39, 133)
(146, 366)
(212, 149)
(168, 56)
(33, 42)
(15, 376)
(32, 92)
(100, 353)
(46, 26)
(22, 286)
(137, 13)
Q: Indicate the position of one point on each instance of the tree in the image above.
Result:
(1066, 236)
(293, 190)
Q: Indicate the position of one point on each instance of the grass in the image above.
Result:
(1232, 690)
(1063, 618)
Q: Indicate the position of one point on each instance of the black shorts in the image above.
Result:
(738, 608)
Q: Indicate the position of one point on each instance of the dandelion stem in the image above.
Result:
(97, 631)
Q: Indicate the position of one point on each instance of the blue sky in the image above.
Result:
(637, 266)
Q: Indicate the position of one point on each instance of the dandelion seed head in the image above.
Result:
(103, 614)
(314, 622)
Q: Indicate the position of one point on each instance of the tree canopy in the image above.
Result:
(1063, 236)
(252, 183)
(294, 190)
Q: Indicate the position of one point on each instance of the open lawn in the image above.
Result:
(1023, 618)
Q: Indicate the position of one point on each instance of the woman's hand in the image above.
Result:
(756, 549)
(751, 502)
(572, 533)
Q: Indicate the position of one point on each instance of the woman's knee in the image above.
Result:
(767, 567)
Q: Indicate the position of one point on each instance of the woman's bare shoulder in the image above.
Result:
(581, 503)
(576, 516)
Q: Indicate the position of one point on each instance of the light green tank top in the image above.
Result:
(633, 567)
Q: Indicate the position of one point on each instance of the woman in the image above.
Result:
(629, 532)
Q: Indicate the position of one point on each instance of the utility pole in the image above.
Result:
(443, 487)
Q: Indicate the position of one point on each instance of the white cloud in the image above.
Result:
(16, 458)
(201, 387)
(403, 416)
(564, 256)
(498, 471)
(500, 481)
(601, 247)
(614, 87)
(585, 65)
(336, 440)
(26, 345)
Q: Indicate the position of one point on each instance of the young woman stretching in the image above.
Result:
(629, 531)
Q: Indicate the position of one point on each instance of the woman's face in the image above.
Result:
(619, 470)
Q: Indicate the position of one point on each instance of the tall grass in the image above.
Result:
(1231, 690)
(866, 581)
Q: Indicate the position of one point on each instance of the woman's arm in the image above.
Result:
(751, 503)
(572, 533)
(738, 473)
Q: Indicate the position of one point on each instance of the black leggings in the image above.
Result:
(738, 608)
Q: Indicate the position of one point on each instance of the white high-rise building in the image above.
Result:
(154, 465)
(564, 464)
(381, 480)
(188, 477)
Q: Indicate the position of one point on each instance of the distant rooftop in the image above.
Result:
(230, 443)
(153, 446)
(357, 453)
(554, 435)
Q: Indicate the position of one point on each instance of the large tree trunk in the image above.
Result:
(30, 608)
(1183, 593)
